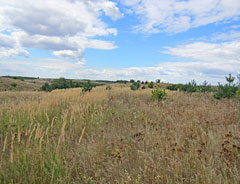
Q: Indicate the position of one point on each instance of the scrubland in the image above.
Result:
(118, 136)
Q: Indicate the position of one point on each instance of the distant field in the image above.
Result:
(118, 136)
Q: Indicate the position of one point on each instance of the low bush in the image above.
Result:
(151, 85)
(226, 91)
(108, 87)
(135, 86)
(174, 87)
(159, 94)
(87, 87)
(191, 87)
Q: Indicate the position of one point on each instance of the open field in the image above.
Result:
(118, 136)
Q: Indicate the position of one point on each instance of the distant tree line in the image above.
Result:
(20, 77)
(63, 83)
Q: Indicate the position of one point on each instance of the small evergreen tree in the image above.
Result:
(230, 79)
(151, 85)
(135, 86)
(159, 94)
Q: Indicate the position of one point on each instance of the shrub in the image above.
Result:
(226, 91)
(151, 85)
(173, 87)
(132, 80)
(135, 86)
(191, 87)
(46, 87)
(159, 94)
(87, 87)
(108, 87)
(205, 87)
(14, 84)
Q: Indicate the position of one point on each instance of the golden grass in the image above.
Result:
(118, 136)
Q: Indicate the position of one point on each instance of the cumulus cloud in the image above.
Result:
(179, 16)
(64, 26)
(43, 67)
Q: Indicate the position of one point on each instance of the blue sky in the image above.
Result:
(175, 40)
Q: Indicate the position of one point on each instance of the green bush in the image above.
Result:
(63, 83)
(108, 87)
(46, 87)
(14, 84)
(191, 87)
(226, 91)
(173, 87)
(159, 94)
(135, 86)
(87, 87)
(205, 87)
(151, 85)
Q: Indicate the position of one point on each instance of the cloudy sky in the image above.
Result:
(172, 40)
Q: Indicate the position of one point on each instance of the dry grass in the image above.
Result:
(118, 136)
(26, 85)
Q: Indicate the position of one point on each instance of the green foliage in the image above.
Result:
(20, 77)
(135, 86)
(46, 87)
(122, 81)
(63, 83)
(14, 84)
(87, 87)
(108, 87)
(159, 94)
(228, 90)
(132, 80)
(230, 79)
(174, 87)
(151, 85)
(225, 91)
(205, 87)
(191, 87)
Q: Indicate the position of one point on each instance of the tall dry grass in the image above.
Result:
(118, 136)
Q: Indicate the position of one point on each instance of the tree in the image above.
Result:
(230, 79)
(151, 85)
(135, 86)
(87, 87)
(158, 80)
(132, 80)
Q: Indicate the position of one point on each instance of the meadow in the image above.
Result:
(118, 136)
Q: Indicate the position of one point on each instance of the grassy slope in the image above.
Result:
(26, 85)
(118, 136)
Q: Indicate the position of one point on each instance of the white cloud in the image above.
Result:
(232, 35)
(210, 52)
(42, 67)
(179, 16)
(58, 25)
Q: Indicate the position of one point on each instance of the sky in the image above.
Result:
(172, 40)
